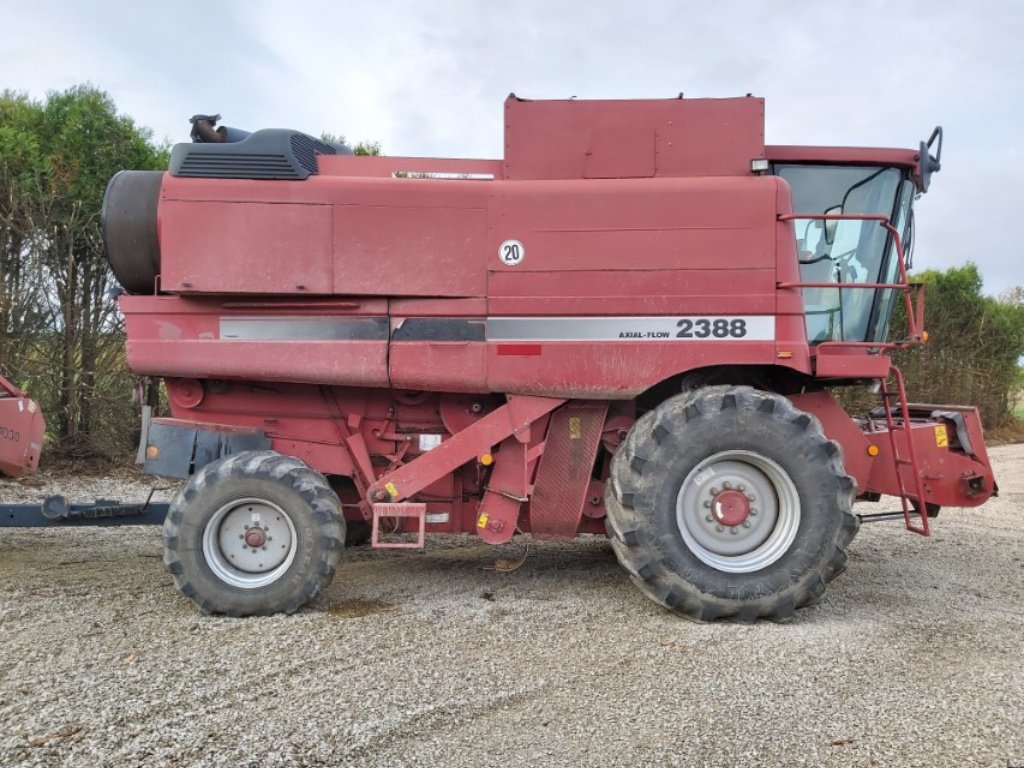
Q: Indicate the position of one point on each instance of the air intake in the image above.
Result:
(268, 154)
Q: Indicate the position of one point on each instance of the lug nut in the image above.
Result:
(707, 504)
(709, 518)
(719, 528)
(734, 531)
(746, 523)
(727, 484)
(741, 487)
(750, 497)
(713, 491)
(753, 511)
(241, 535)
(263, 548)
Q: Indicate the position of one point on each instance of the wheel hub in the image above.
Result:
(255, 537)
(738, 511)
(249, 542)
(730, 507)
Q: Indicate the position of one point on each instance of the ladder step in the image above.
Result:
(405, 509)
(897, 419)
(881, 516)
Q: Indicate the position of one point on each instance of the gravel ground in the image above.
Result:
(913, 659)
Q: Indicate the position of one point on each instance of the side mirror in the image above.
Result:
(831, 225)
(927, 162)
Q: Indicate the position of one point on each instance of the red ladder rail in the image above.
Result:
(900, 395)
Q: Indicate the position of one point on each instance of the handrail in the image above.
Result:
(914, 308)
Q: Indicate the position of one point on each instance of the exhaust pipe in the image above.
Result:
(205, 131)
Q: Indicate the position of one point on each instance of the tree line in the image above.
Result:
(62, 340)
(60, 335)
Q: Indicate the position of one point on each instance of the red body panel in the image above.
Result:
(948, 466)
(649, 247)
(245, 247)
(632, 139)
(951, 476)
(906, 158)
(181, 337)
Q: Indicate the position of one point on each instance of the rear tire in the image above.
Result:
(252, 534)
(728, 502)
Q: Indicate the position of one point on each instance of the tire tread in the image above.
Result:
(288, 471)
(653, 575)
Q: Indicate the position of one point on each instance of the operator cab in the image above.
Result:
(852, 251)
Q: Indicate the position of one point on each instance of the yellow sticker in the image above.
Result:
(391, 488)
(941, 437)
(575, 428)
(482, 522)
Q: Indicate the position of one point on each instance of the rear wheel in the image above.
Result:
(253, 534)
(728, 502)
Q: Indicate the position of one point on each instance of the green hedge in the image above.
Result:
(974, 346)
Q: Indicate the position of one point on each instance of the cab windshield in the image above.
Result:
(847, 251)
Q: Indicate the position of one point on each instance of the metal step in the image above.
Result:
(398, 511)
(881, 517)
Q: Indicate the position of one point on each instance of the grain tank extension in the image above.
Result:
(627, 324)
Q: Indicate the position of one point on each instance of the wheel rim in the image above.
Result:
(738, 511)
(249, 543)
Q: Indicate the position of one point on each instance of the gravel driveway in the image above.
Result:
(915, 657)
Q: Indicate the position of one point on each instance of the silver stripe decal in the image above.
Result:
(304, 329)
(633, 329)
(507, 329)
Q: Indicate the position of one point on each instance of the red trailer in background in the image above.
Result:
(21, 431)
(627, 324)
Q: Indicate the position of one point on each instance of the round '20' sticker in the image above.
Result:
(512, 253)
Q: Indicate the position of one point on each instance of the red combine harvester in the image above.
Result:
(627, 325)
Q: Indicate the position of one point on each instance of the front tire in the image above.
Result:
(728, 502)
(255, 533)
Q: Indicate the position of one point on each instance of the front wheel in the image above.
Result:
(728, 502)
(253, 534)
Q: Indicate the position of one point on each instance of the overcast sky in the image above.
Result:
(429, 78)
